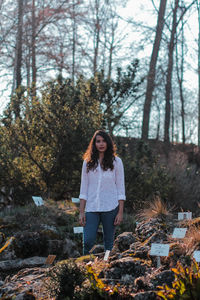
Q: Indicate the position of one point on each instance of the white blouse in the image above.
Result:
(102, 189)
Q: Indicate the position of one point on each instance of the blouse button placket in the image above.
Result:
(98, 187)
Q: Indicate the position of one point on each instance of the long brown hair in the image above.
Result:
(91, 155)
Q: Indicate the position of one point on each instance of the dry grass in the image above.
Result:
(192, 239)
(156, 208)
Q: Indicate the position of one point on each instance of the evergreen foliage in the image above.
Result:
(117, 95)
(41, 150)
(145, 178)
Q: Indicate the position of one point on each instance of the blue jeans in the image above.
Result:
(93, 219)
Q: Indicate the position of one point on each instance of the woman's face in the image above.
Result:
(100, 144)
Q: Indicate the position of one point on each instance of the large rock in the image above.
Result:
(123, 241)
(97, 249)
(69, 249)
(17, 264)
(121, 268)
(164, 277)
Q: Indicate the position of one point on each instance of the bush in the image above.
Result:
(40, 151)
(186, 285)
(145, 178)
(64, 278)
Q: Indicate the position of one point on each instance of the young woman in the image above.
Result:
(102, 191)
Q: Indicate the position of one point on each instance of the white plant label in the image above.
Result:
(196, 256)
(75, 200)
(38, 200)
(107, 253)
(185, 215)
(179, 233)
(159, 249)
(78, 229)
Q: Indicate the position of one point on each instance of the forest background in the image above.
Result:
(72, 67)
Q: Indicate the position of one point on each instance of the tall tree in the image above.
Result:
(33, 49)
(180, 74)
(169, 71)
(17, 78)
(152, 70)
(96, 35)
(19, 44)
(198, 7)
(168, 85)
(115, 96)
(73, 42)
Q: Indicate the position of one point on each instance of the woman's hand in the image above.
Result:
(82, 219)
(118, 219)
(119, 216)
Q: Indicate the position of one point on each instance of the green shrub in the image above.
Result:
(100, 290)
(64, 278)
(145, 178)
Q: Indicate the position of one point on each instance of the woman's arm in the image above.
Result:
(119, 216)
(120, 190)
(83, 194)
(82, 218)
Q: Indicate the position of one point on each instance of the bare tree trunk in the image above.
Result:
(111, 52)
(28, 68)
(17, 78)
(27, 59)
(169, 73)
(61, 66)
(19, 44)
(152, 70)
(73, 45)
(33, 52)
(97, 37)
(180, 82)
(198, 7)
(172, 117)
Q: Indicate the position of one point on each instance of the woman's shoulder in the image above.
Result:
(85, 162)
(117, 160)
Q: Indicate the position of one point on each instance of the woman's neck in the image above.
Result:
(101, 156)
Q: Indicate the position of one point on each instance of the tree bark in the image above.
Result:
(73, 44)
(198, 7)
(17, 78)
(96, 37)
(152, 70)
(169, 73)
(33, 52)
(180, 81)
(19, 44)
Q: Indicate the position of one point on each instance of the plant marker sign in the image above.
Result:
(78, 229)
(159, 250)
(107, 253)
(184, 215)
(196, 256)
(50, 259)
(179, 233)
(75, 200)
(38, 200)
